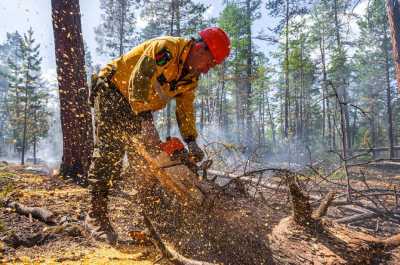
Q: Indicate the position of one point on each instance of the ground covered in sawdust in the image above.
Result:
(69, 202)
(39, 186)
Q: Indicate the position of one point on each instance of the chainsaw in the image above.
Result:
(174, 147)
(175, 169)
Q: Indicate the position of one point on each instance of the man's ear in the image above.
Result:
(198, 46)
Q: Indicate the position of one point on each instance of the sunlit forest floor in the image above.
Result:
(66, 243)
(32, 186)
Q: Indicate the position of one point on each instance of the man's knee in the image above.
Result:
(105, 165)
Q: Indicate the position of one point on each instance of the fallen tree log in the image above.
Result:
(355, 218)
(38, 213)
(41, 238)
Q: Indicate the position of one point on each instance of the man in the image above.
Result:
(126, 92)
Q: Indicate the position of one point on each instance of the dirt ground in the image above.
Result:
(42, 187)
(70, 202)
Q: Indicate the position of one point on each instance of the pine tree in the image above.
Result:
(76, 122)
(4, 116)
(175, 17)
(116, 34)
(15, 84)
(393, 13)
(151, 30)
(28, 96)
(233, 22)
(374, 71)
(319, 41)
(286, 10)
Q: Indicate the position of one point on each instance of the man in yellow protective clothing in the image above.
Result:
(127, 91)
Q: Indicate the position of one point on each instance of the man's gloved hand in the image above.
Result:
(195, 151)
(97, 84)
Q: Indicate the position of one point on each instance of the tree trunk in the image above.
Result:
(354, 127)
(238, 102)
(249, 125)
(34, 150)
(343, 89)
(388, 94)
(286, 126)
(75, 115)
(271, 121)
(121, 32)
(326, 96)
(393, 11)
(302, 105)
(202, 115)
(23, 150)
(222, 97)
(344, 146)
(262, 125)
(35, 137)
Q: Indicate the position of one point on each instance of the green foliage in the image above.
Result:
(27, 96)
(116, 34)
(174, 18)
(285, 10)
(370, 72)
(316, 56)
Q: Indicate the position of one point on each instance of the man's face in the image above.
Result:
(200, 59)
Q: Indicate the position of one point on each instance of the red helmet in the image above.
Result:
(217, 41)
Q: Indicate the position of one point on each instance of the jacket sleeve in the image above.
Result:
(185, 114)
(155, 58)
(108, 69)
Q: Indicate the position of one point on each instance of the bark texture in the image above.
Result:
(73, 90)
(393, 12)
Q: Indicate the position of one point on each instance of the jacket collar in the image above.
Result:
(183, 56)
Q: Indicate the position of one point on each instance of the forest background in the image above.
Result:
(305, 79)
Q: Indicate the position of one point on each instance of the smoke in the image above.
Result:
(50, 148)
(231, 155)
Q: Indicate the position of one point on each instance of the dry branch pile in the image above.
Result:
(305, 238)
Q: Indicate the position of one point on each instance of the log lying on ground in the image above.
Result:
(38, 213)
(41, 238)
(304, 239)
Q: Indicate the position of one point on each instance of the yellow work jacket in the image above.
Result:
(152, 73)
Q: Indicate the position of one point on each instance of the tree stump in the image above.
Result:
(305, 238)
